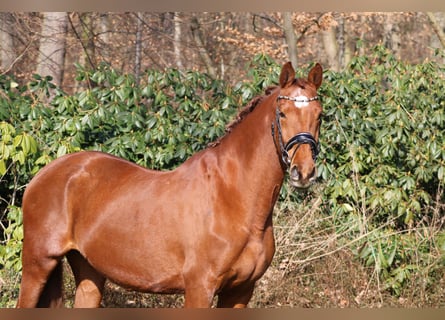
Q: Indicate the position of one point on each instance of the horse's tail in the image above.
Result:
(51, 296)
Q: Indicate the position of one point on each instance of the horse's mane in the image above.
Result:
(242, 114)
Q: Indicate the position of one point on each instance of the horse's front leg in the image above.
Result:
(237, 297)
(199, 291)
(198, 297)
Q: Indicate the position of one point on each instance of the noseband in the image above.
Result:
(298, 139)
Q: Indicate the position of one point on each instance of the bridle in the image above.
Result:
(298, 139)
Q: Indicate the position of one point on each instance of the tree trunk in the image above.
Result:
(87, 39)
(248, 25)
(138, 49)
(177, 37)
(341, 42)
(349, 47)
(363, 22)
(291, 38)
(331, 47)
(103, 37)
(198, 38)
(52, 46)
(7, 51)
(392, 35)
(437, 28)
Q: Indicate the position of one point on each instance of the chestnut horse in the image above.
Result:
(203, 229)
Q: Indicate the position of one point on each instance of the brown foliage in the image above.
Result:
(230, 39)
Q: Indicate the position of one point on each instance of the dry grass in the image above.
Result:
(316, 263)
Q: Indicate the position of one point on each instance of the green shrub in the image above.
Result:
(383, 138)
(16, 157)
(381, 166)
(383, 160)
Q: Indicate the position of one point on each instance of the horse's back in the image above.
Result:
(65, 186)
(54, 180)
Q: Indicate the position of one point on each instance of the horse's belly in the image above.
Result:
(139, 264)
(156, 279)
(162, 283)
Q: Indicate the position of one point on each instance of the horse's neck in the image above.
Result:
(253, 143)
(249, 158)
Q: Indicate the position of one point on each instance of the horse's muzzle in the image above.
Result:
(302, 179)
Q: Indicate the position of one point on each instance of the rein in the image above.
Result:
(298, 139)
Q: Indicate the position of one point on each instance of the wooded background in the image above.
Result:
(219, 43)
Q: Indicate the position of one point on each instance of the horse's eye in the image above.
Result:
(282, 115)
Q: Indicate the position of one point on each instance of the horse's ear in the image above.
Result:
(287, 75)
(316, 75)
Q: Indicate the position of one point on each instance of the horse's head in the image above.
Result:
(297, 124)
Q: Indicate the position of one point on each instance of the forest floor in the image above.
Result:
(336, 281)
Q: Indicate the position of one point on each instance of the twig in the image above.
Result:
(17, 59)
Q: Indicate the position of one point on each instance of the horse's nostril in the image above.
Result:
(297, 175)
(294, 173)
